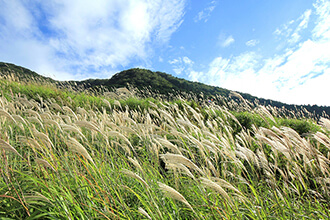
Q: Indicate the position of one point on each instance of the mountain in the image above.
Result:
(16, 73)
(157, 82)
(165, 83)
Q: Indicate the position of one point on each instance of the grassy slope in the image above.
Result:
(155, 82)
(165, 84)
(70, 155)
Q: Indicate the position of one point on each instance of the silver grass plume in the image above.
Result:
(143, 212)
(76, 147)
(172, 193)
(177, 159)
(7, 147)
(135, 176)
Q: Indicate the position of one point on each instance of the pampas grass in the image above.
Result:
(135, 163)
(172, 193)
(35, 120)
(7, 147)
(165, 143)
(44, 138)
(216, 187)
(69, 110)
(30, 142)
(44, 163)
(135, 176)
(74, 129)
(180, 159)
(143, 212)
(7, 115)
(106, 158)
(87, 125)
(325, 123)
(76, 147)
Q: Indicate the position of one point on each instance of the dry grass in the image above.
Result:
(7, 147)
(135, 176)
(143, 212)
(172, 193)
(180, 159)
(76, 147)
(223, 173)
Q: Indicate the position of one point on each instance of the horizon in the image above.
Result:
(173, 76)
(272, 50)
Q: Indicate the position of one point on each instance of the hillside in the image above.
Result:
(165, 83)
(71, 154)
(157, 83)
(16, 73)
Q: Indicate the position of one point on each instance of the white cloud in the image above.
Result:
(85, 36)
(293, 77)
(206, 12)
(244, 61)
(181, 65)
(304, 20)
(322, 28)
(16, 17)
(224, 41)
(299, 74)
(195, 76)
(277, 32)
(252, 43)
(314, 91)
(174, 61)
(291, 31)
(178, 70)
(294, 38)
(218, 67)
(188, 61)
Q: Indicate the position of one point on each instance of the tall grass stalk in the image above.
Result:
(73, 154)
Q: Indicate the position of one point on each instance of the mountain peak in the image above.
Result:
(157, 82)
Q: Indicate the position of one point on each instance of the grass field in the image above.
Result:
(73, 155)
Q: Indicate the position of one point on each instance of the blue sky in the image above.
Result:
(275, 49)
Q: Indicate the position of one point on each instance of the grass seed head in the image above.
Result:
(7, 147)
(216, 187)
(44, 163)
(76, 147)
(135, 176)
(7, 115)
(325, 123)
(143, 212)
(135, 163)
(172, 193)
(177, 159)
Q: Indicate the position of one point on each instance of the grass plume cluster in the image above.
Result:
(71, 155)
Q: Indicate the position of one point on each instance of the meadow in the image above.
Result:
(119, 155)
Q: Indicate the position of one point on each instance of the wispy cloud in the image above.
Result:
(84, 37)
(304, 19)
(225, 41)
(322, 29)
(298, 74)
(206, 12)
(252, 43)
(181, 65)
(291, 31)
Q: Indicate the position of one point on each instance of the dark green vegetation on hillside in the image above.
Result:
(14, 72)
(161, 84)
(166, 84)
(70, 153)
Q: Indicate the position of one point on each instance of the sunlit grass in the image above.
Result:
(69, 154)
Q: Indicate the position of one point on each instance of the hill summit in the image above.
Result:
(154, 81)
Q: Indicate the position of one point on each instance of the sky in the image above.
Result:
(274, 49)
